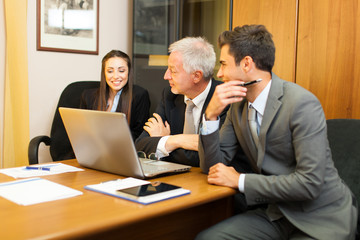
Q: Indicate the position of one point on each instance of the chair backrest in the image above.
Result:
(60, 147)
(344, 140)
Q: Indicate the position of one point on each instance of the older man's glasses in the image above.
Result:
(151, 156)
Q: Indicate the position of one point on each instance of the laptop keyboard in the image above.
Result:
(155, 167)
(150, 168)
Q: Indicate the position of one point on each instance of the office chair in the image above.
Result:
(60, 147)
(344, 140)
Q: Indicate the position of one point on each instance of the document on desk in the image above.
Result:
(137, 190)
(39, 170)
(35, 190)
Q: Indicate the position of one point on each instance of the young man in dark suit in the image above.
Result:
(190, 69)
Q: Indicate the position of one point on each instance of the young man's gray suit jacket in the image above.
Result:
(295, 171)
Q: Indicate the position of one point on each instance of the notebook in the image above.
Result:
(102, 141)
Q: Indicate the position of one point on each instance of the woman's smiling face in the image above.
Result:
(116, 73)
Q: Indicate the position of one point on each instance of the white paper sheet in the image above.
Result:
(117, 184)
(55, 168)
(35, 190)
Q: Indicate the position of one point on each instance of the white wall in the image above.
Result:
(51, 72)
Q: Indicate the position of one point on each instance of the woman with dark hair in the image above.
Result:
(117, 93)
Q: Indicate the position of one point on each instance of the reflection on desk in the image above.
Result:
(98, 216)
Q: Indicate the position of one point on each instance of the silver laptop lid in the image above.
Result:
(102, 143)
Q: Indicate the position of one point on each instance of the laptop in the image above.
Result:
(102, 141)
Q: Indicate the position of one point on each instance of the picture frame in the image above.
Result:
(68, 26)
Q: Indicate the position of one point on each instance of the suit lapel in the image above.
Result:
(272, 107)
(214, 83)
(209, 96)
(246, 140)
(177, 115)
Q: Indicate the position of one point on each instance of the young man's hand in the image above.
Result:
(225, 94)
(222, 175)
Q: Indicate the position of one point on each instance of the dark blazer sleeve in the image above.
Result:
(139, 110)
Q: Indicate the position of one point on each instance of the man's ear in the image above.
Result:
(198, 75)
(248, 63)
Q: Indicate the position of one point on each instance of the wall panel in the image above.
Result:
(328, 59)
(279, 17)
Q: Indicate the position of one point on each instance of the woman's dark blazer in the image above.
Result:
(139, 107)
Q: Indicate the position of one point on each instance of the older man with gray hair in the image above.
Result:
(172, 132)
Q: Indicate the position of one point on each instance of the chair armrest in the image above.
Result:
(33, 150)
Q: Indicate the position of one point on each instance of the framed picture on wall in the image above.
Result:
(68, 26)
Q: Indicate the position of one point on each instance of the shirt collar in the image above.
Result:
(116, 101)
(260, 102)
(200, 99)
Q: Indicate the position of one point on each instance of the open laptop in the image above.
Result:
(102, 141)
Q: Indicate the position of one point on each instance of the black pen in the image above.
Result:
(250, 83)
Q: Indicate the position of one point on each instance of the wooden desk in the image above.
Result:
(98, 216)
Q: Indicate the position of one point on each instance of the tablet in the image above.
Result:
(150, 189)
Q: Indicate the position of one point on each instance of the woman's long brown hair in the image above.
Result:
(126, 94)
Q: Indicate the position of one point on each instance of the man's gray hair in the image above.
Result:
(197, 54)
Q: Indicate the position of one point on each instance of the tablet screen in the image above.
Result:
(148, 189)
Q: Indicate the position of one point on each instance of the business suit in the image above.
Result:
(295, 171)
(139, 107)
(172, 109)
